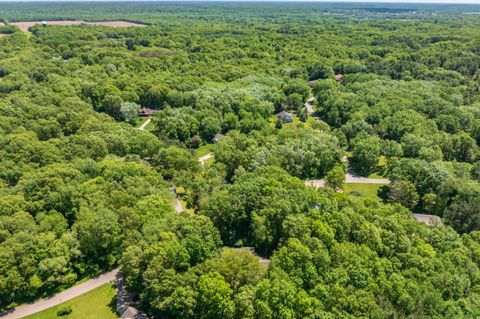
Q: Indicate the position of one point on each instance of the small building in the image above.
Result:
(146, 112)
(217, 138)
(339, 77)
(429, 220)
(285, 116)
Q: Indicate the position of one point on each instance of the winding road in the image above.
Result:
(70, 293)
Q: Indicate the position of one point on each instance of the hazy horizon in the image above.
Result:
(328, 1)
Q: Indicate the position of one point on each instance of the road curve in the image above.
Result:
(70, 293)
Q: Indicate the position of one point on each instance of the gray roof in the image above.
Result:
(218, 137)
(283, 114)
(430, 220)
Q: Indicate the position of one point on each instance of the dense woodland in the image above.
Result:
(83, 190)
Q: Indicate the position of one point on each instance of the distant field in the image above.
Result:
(363, 190)
(97, 304)
(23, 26)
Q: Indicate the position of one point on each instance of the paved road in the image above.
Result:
(144, 125)
(70, 293)
(350, 178)
(353, 178)
(205, 158)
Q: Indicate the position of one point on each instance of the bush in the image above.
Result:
(64, 310)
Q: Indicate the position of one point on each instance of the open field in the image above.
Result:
(24, 25)
(98, 303)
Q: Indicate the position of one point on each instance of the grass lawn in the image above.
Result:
(140, 120)
(99, 303)
(203, 150)
(364, 190)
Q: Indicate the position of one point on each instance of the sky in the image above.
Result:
(384, 1)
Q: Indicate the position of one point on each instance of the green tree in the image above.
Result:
(365, 155)
(336, 177)
(130, 111)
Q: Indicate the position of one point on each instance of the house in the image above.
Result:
(146, 112)
(285, 116)
(217, 138)
(429, 220)
(339, 77)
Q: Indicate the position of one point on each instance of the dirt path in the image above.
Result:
(205, 158)
(63, 296)
(144, 125)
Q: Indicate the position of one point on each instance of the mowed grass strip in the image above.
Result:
(99, 303)
(363, 190)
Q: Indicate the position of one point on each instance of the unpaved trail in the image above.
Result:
(70, 293)
(144, 125)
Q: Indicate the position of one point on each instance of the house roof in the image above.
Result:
(147, 111)
(284, 114)
(218, 137)
(430, 220)
(338, 77)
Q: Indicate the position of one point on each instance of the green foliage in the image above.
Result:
(64, 310)
(81, 191)
(336, 177)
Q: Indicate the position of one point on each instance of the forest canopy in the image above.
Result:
(185, 151)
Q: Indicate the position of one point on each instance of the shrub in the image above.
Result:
(64, 310)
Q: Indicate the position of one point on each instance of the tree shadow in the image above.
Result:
(112, 305)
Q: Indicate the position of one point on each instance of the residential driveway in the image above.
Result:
(205, 158)
(144, 125)
(70, 293)
(309, 107)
